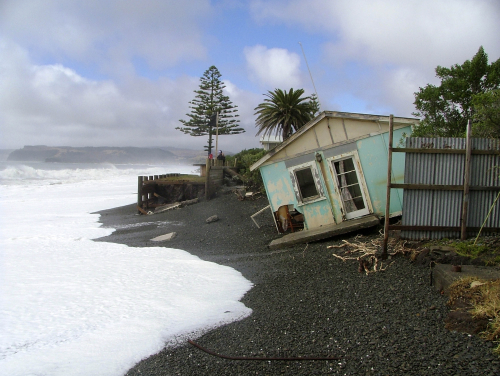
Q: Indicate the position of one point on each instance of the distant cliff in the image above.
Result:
(66, 154)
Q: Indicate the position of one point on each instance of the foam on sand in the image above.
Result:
(71, 306)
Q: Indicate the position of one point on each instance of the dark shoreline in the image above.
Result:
(305, 302)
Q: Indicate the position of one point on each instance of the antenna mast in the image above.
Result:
(314, 86)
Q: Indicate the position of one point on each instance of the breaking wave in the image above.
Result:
(57, 174)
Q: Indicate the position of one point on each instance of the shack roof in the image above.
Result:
(401, 121)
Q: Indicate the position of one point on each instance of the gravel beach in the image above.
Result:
(305, 302)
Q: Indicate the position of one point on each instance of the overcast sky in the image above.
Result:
(121, 72)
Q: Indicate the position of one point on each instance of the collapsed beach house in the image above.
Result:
(330, 177)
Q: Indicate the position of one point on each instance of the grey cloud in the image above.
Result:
(398, 43)
(52, 104)
(109, 33)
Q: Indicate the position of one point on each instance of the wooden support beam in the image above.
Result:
(438, 187)
(440, 228)
(445, 151)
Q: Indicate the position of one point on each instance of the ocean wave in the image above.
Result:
(20, 174)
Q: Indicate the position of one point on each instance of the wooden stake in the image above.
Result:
(465, 204)
(139, 192)
(216, 133)
(388, 194)
(207, 179)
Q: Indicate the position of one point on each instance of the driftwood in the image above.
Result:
(167, 207)
(366, 253)
(164, 208)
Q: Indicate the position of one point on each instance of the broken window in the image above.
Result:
(306, 184)
(287, 217)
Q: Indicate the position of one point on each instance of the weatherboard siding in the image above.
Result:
(363, 137)
(373, 155)
(278, 185)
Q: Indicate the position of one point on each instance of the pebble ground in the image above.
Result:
(305, 303)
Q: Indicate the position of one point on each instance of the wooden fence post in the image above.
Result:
(139, 192)
(207, 179)
(465, 203)
(388, 194)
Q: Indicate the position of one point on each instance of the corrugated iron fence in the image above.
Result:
(437, 184)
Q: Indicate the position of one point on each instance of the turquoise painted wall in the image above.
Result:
(280, 191)
(373, 155)
(278, 185)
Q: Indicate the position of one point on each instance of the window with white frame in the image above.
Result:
(306, 183)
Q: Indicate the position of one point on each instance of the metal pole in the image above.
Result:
(388, 193)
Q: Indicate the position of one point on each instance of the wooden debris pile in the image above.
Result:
(367, 253)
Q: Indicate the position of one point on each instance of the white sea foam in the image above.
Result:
(72, 306)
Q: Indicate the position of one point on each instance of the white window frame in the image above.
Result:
(317, 182)
(361, 181)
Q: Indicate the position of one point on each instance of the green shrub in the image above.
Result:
(244, 159)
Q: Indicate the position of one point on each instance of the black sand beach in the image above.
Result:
(305, 302)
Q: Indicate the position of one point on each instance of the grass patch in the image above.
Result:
(469, 249)
(487, 249)
(484, 298)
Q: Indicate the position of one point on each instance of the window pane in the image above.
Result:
(355, 190)
(359, 203)
(306, 184)
(348, 165)
(351, 178)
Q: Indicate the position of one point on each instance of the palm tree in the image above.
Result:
(284, 112)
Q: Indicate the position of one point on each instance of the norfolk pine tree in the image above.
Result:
(208, 101)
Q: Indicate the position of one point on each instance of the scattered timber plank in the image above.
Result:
(164, 208)
(260, 211)
(165, 237)
(175, 205)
